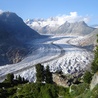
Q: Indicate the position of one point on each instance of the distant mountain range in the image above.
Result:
(95, 26)
(50, 26)
(14, 34)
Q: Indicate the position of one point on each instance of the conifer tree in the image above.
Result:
(94, 66)
(19, 79)
(87, 77)
(10, 77)
(48, 75)
(39, 73)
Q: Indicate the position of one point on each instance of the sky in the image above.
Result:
(32, 9)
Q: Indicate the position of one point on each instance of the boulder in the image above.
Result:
(59, 80)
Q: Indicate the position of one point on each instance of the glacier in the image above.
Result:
(60, 53)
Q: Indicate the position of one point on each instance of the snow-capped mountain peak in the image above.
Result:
(42, 22)
(59, 26)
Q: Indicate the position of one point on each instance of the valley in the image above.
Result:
(48, 49)
(58, 52)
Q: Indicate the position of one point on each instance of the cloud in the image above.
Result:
(73, 14)
(72, 17)
(1, 11)
(61, 19)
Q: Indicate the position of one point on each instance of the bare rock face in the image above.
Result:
(16, 55)
(12, 54)
(94, 81)
(59, 80)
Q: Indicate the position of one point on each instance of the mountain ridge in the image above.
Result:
(14, 34)
(45, 27)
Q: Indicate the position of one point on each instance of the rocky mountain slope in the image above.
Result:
(93, 36)
(14, 34)
(51, 27)
(90, 39)
(78, 28)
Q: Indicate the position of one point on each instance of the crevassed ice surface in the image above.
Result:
(56, 51)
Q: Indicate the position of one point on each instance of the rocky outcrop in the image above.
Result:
(94, 81)
(59, 80)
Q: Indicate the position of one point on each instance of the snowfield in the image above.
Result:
(59, 52)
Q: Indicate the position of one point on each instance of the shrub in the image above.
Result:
(79, 89)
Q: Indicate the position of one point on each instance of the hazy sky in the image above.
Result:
(51, 8)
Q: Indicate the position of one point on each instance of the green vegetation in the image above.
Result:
(39, 73)
(90, 94)
(40, 90)
(43, 75)
(87, 77)
(48, 75)
(94, 66)
(77, 90)
(11, 82)
(34, 90)
(10, 77)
